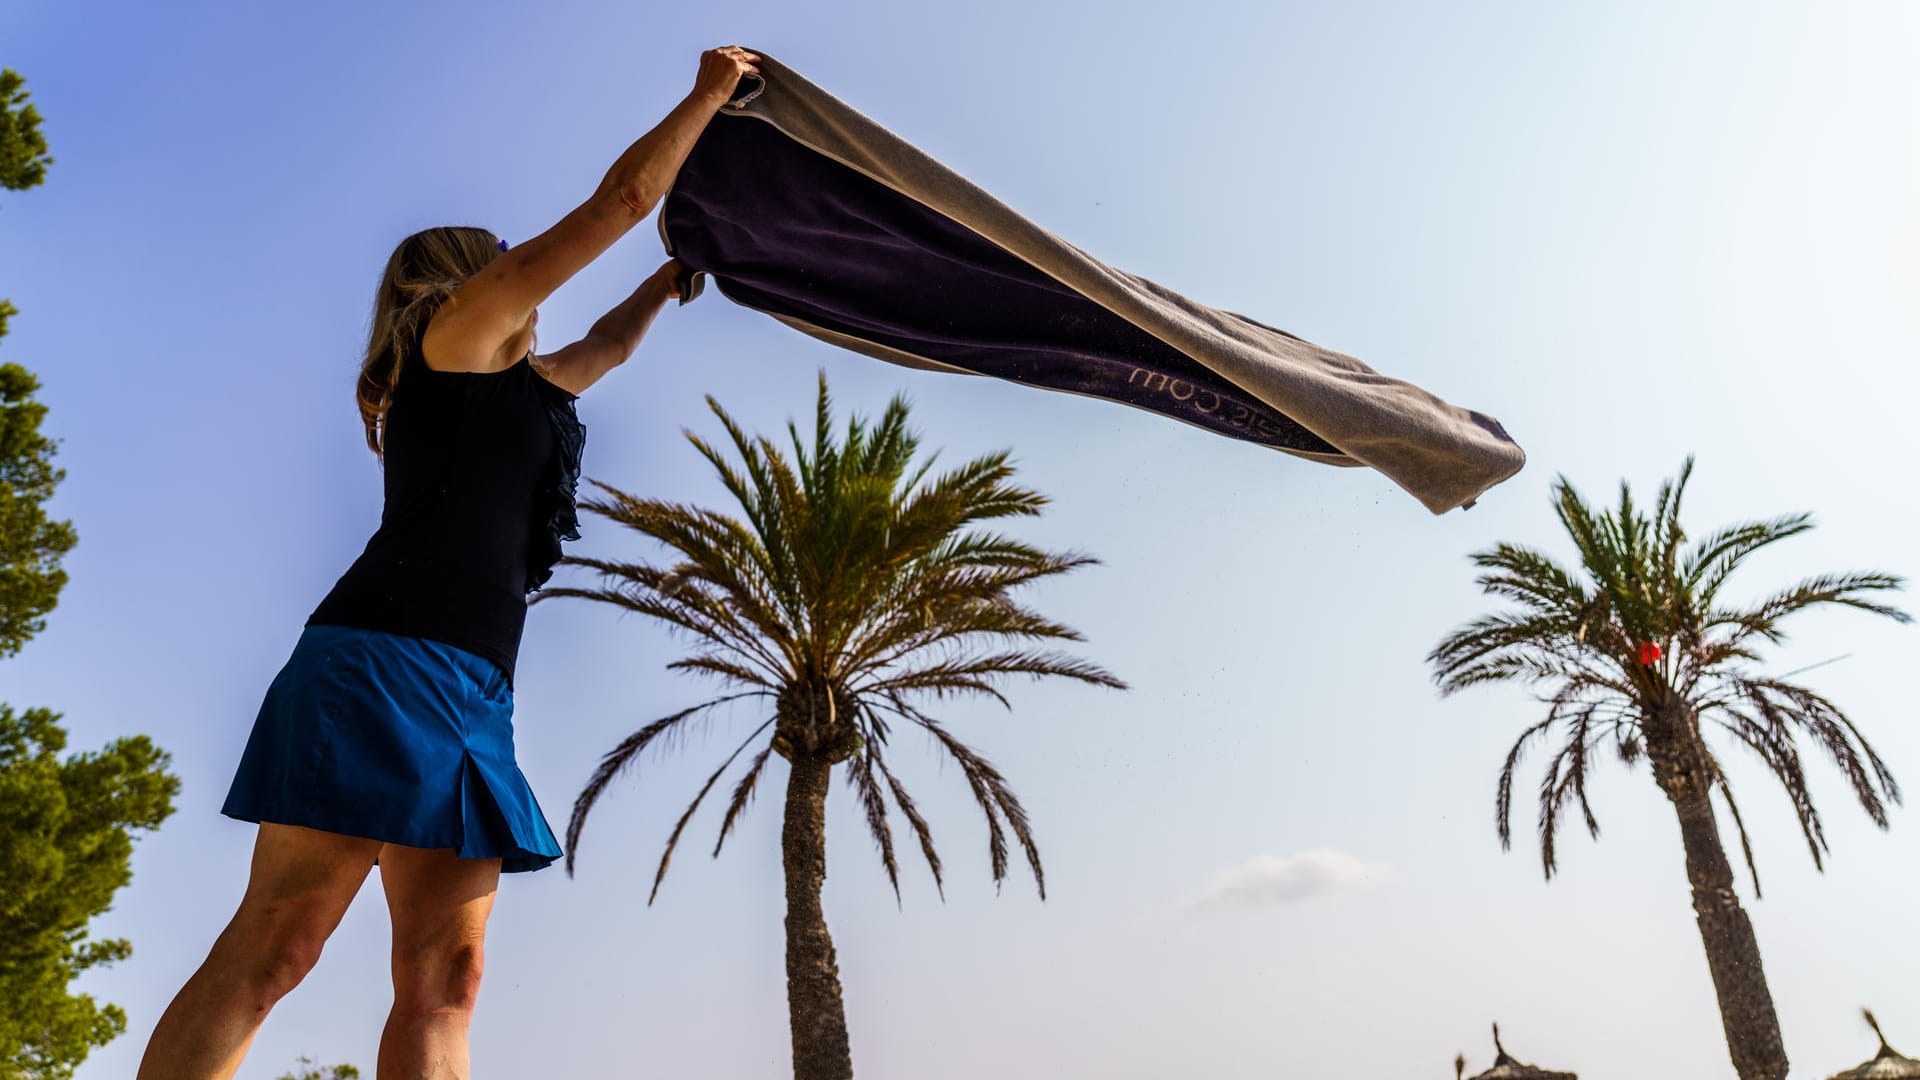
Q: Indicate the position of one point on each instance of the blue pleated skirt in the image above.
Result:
(393, 738)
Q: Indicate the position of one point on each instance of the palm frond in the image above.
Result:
(1739, 824)
(1771, 739)
(1531, 578)
(912, 811)
(1566, 778)
(1791, 705)
(1706, 568)
(717, 550)
(860, 776)
(958, 626)
(995, 799)
(723, 668)
(970, 675)
(680, 826)
(1841, 589)
(674, 597)
(617, 761)
(742, 795)
(1503, 797)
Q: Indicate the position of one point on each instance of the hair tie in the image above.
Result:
(503, 245)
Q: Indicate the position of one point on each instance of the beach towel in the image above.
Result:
(798, 206)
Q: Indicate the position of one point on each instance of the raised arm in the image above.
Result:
(617, 333)
(481, 324)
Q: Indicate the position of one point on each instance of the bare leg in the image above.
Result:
(439, 903)
(300, 885)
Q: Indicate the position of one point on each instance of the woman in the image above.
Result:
(386, 738)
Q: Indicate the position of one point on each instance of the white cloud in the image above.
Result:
(1270, 881)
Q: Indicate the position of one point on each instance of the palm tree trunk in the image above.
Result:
(814, 1007)
(1733, 953)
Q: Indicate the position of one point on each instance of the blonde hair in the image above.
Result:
(421, 274)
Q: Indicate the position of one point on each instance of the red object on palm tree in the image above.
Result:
(1649, 652)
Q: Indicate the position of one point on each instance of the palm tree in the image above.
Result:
(1645, 653)
(854, 589)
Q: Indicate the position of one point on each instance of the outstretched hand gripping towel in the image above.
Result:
(800, 207)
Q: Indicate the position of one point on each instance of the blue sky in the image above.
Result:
(1629, 232)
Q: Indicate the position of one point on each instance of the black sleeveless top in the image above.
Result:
(480, 474)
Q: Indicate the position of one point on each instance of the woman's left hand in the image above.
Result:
(721, 71)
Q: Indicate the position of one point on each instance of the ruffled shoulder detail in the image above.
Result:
(555, 517)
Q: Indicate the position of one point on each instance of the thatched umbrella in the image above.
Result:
(1886, 1065)
(1505, 1068)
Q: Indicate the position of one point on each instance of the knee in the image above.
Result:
(288, 964)
(440, 978)
(284, 941)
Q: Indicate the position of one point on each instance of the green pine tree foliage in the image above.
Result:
(31, 543)
(67, 828)
(23, 148)
(308, 1070)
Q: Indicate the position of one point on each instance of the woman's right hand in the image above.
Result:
(670, 279)
(721, 70)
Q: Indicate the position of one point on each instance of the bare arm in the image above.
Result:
(615, 336)
(476, 328)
